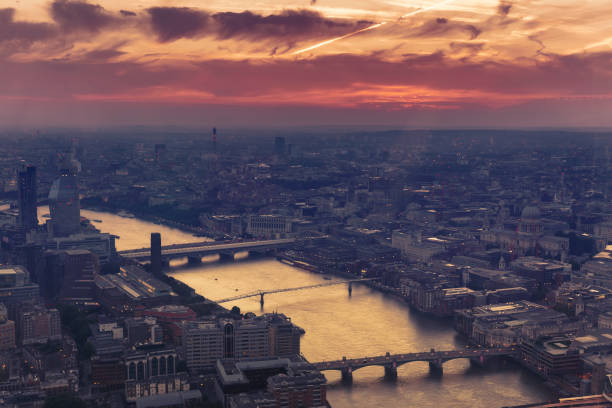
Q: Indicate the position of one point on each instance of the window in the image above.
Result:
(162, 366)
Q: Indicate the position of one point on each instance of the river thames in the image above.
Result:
(367, 323)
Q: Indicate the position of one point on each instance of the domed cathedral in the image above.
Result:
(531, 222)
(529, 237)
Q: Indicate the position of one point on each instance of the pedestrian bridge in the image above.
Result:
(201, 249)
(391, 362)
(262, 293)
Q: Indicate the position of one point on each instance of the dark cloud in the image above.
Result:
(172, 23)
(21, 31)
(289, 24)
(441, 27)
(74, 16)
(127, 13)
(472, 46)
(504, 7)
(102, 55)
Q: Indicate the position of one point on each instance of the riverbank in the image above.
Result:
(145, 216)
(367, 323)
(309, 266)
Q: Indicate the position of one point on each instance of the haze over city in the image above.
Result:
(305, 204)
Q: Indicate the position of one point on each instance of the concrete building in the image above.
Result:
(257, 337)
(504, 324)
(202, 344)
(270, 383)
(80, 269)
(103, 245)
(603, 230)
(268, 226)
(39, 325)
(529, 237)
(414, 248)
(153, 372)
(16, 288)
(143, 330)
(7, 330)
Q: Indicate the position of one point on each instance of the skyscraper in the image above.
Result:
(214, 139)
(279, 145)
(64, 203)
(28, 198)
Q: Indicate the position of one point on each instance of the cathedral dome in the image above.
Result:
(531, 213)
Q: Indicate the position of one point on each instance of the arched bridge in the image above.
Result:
(201, 249)
(261, 293)
(391, 362)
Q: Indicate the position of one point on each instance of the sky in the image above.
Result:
(421, 63)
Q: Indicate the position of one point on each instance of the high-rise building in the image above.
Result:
(64, 203)
(214, 139)
(160, 153)
(28, 217)
(279, 145)
(80, 268)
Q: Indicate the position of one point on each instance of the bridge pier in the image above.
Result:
(347, 375)
(350, 288)
(226, 257)
(261, 300)
(391, 371)
(479, 361)
(435, 368)
(165, 263)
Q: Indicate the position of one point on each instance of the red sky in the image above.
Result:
(422, 63)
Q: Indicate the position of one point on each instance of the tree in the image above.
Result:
(235, 311)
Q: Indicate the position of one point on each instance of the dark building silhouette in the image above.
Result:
(64, 202)
(28, 217)
(80, 268)
(214, 139)
(156, 262)
(160, 153)
(279, 145)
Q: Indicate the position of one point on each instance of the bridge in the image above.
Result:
(196, 250)
(261, 293)
(391, 362)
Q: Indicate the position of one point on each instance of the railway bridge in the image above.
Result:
(196, 250)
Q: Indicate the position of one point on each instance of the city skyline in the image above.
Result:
(469, 63)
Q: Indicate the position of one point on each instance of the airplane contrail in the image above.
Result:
(424, 9)
(321, 44)
(372, 27)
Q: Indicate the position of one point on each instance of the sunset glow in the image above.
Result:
(375, 60)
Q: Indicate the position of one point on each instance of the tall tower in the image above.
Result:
(28, 217)
(156, 261)
(214, 140)
(64, 202)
